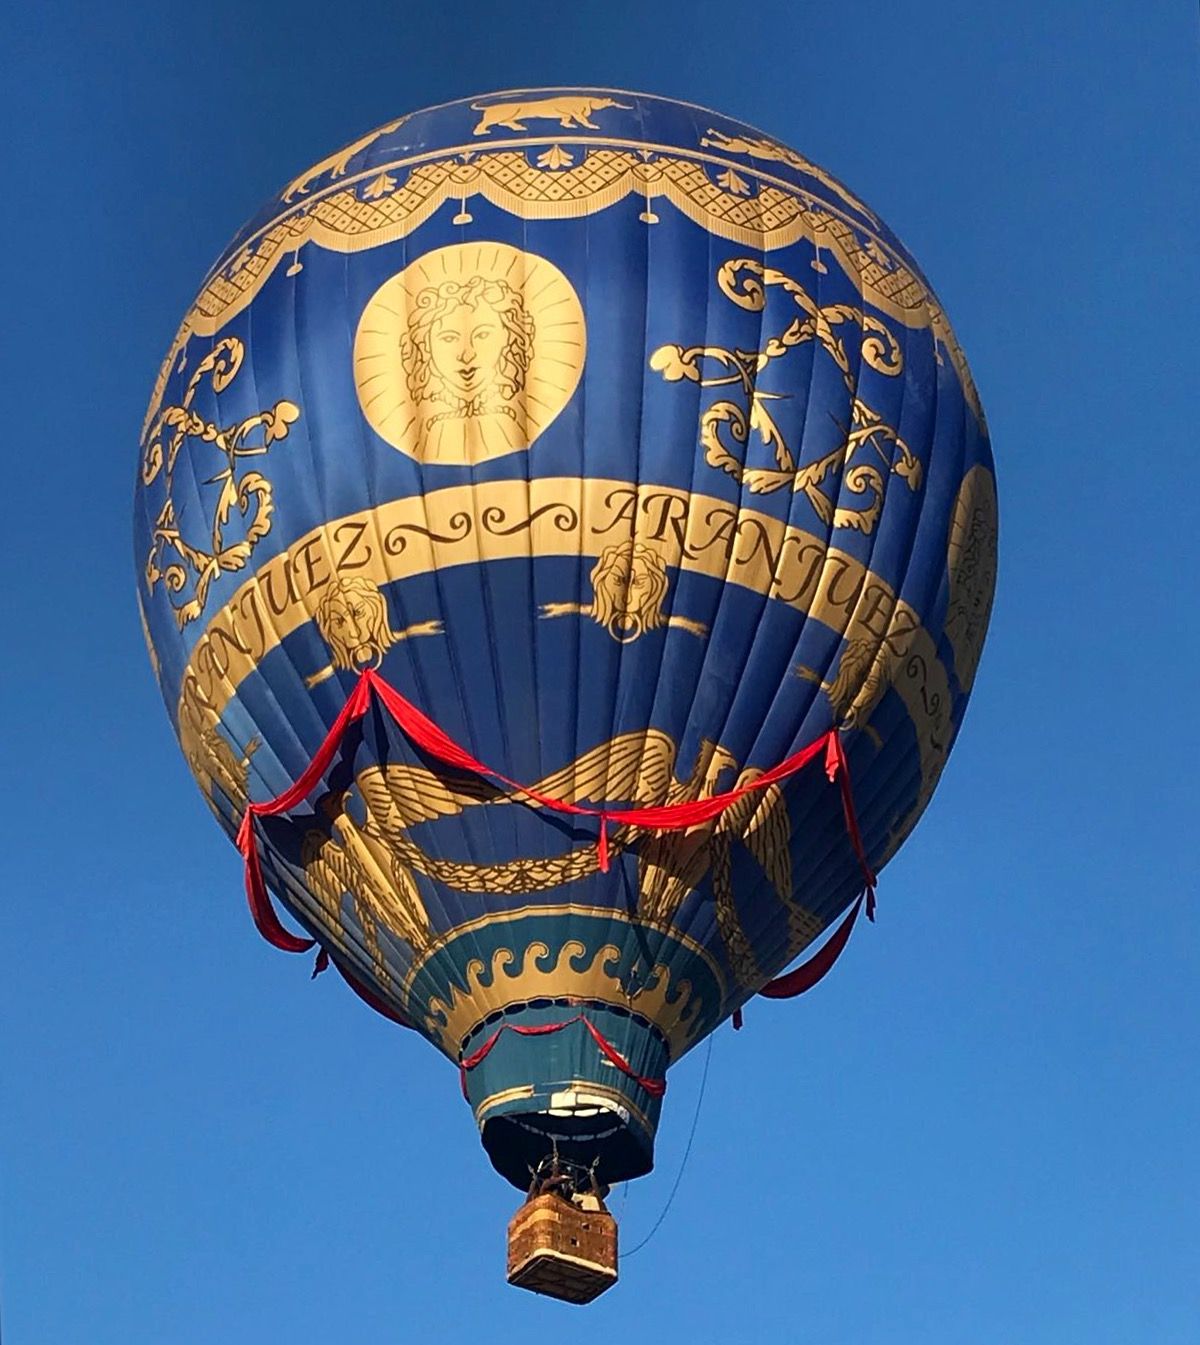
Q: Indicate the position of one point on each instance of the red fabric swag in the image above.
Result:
(427, 735)
(655, 1087)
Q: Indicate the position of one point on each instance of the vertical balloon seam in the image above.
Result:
(411, 657)
(289, 741)
(907, 337)
(822, 907)
(530, 568)
(802, 821)
(539, 633)
(271, 753)
(909, 576)
(294, 894)
(591, 403)
(622, 683)
(409, 652)
(428, 893)
(687, 919)
(621, 686)
(699, 917)
(733, 707)
(731, 703)
(466, 718)
(973, 443)
(768, 915)
(586, 402)
(904, 578)
(618, 936)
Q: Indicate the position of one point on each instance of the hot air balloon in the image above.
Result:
(565, 533)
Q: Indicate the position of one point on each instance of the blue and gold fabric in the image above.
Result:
(635, 450)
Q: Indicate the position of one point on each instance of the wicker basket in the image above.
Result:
(563, 1248)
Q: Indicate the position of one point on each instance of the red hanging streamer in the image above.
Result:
(836, 767)
(807, 974)
(265, 919)
(381, 1006)
(655, 1087)
(422, 731)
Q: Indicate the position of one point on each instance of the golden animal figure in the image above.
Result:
(865, 671)
(770, 151)
(336, 164)
(629, 587)
(381, 887)
(640, 767)
(353, 620)
(569, 110)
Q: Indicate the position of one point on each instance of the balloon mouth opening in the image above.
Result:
(542, 1087)
(592, 1133)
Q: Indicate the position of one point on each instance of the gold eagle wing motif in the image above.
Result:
(762, 823)
(634, 767)
(400, 796)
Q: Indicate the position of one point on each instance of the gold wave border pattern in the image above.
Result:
(575, 971)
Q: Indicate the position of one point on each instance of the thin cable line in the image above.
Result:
(683, 1164)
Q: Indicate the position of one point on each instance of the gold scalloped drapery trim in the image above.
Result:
(391, 201)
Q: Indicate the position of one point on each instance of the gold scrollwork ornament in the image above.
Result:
(745, 281)
(173, 560)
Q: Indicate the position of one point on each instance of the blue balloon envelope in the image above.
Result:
(634, 451)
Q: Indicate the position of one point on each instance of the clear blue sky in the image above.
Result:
(982, 1128)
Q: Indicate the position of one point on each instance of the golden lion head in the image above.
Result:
(353, 620)
(629, 584)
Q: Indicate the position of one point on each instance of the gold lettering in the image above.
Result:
(280, 569)
(311, 557)
(522, 518)
(248, 606)
(837, 569)
(760, 541)
(879, 602)
(672, 512)
(804, 585)
(625, 509)
(356, 529)
(724, 533)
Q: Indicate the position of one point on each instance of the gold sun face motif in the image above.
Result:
(468, 353)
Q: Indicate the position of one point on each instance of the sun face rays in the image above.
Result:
(469, 353)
